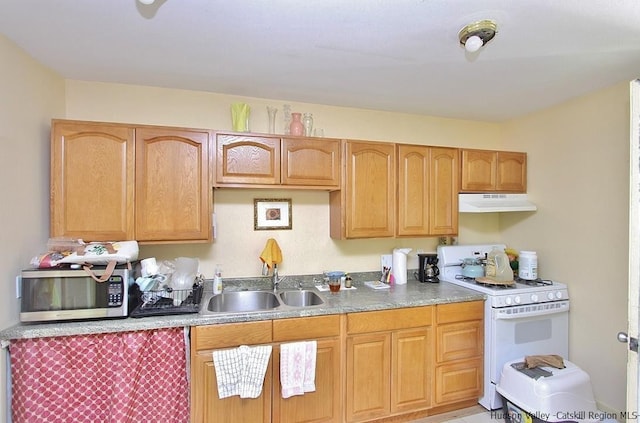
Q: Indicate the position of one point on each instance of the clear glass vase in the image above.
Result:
(307, 122)
(272, 119)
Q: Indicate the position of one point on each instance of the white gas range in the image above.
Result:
(525, 318)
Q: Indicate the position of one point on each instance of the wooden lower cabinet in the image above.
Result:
(206, 406)
(389, 361)
(459, 352)
(369, 365)
(322, 405)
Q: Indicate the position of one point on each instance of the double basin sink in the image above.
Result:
(248, 301)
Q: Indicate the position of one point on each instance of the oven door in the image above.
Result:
(528, 330)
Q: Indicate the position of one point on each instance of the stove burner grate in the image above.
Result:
(534, 282)
(488, 285)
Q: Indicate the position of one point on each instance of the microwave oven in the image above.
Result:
(56, 294)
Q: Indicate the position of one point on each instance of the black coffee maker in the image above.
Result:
(428, 270)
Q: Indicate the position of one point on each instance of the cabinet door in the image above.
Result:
(413, 190)
(246, 159)
(368, 370)
(478, 170)
(92, 181)
(311, 162)
(173, 195)
(459, 352)
(322, 405)
(458, 381)
(207, 407)
(411, 372)
(370, 190)
(512, 172)
(443, 200)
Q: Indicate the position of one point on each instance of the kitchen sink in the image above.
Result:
(259, 300)
(242, 301)
(300, 298)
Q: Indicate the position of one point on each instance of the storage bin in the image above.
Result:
(547, 394)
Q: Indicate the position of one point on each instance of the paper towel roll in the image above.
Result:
(399, 265)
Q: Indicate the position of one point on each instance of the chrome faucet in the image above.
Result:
(275, 280)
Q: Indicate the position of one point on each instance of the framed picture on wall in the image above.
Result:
(271, 213)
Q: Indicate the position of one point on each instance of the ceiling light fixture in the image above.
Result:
(477, 34)
(146, 2)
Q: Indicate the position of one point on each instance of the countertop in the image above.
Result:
(363, 298)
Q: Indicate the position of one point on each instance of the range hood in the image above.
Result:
(491, 203)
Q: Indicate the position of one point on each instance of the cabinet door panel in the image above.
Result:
(322, 405)
(247, 159)
(459, 340)
(458, 381)
(92, 181)
(368, 370)
(370, 190)
(311, 162)
(512, 172)
(411, 375)
(443, 202)
(413, 190)
(172, 185)
(478, 170)
(207, 407)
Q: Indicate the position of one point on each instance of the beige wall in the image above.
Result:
(578, 175)
(31, 96)
(578, 155)
(307, 248)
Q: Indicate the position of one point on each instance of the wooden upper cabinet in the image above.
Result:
(254, 160)
(491, 171)
(427, 190)
(443, 204)
(92, 174)
(512, 172)
(311, 162)
(365, 207)
(247, 159)
(172, 185)
(413, 190)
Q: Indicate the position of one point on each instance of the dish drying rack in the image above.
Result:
(169, 301)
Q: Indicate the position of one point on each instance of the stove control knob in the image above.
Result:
(517, 299)
(559, 295)
(550, 295)
(534, 298)
(508, 301)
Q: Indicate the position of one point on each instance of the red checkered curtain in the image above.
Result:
(121, 377)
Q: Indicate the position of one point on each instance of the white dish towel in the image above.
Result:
(240, 371)
(298, 368)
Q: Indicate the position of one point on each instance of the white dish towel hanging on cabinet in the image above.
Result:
(240, 371)
(298, 368)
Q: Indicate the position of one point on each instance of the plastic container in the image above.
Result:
(498, 267)
(528, 265)
(217, 281)
(565, 396)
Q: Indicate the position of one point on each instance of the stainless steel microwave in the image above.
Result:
(54, 294)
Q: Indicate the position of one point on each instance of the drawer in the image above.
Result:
(460, 312)
(385, 320)
(230, 335)
(306, 328)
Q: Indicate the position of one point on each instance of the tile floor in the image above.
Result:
(476, 414)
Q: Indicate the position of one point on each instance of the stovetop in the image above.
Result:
(521, 292)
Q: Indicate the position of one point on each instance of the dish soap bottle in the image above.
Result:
(498, 268)
(217, 281)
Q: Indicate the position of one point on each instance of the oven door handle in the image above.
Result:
(519, 312)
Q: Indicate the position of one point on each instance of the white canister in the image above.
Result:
(528, 265)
